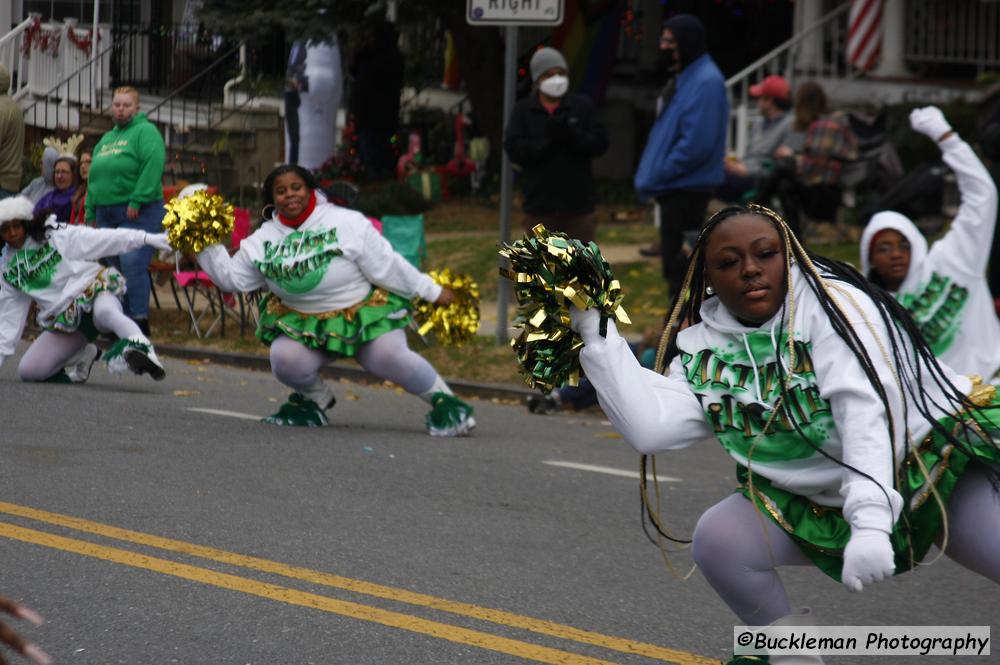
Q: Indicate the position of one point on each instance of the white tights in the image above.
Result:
(738, 549)
(387, 357)
(50, 352)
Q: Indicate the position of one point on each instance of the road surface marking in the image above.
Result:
(289, 596)
(540, 626)
(611, 471)
(230, 414)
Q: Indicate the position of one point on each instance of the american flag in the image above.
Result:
(864, 33)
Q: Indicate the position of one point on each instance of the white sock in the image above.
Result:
(320, 393)
(439, 386)
(79, 356)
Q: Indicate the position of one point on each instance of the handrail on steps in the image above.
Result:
(786, 46)
(10, 40)
(193, 79)
(65, 82)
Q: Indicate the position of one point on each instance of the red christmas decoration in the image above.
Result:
(84, 42)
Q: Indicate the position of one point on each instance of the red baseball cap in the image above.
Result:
(773, 86)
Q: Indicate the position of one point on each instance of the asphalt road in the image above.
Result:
(158, 523)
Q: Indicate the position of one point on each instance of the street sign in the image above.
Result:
(515, 12)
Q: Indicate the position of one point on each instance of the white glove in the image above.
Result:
(868, 558)
(586, 323)
(930, 121)
(159, 242)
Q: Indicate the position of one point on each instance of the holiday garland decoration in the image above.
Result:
(41, 40)
(456, 323)
(198, 221)
(37, 38)
(84, 43)
(550, 272)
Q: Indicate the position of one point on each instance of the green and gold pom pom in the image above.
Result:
(198, 221)
(550, 272)
(453, 324)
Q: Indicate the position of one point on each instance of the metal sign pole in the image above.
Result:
(506, 173)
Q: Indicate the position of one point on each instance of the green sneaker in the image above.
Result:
(58, 377)
(136, 356)
(449, 417)
(298, 412)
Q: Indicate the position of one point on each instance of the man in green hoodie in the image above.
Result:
(11, 139)
(125, 190)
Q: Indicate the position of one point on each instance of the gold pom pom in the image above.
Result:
(550, 271)
(453, 324)
(198, 221)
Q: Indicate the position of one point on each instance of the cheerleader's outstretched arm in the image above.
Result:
(383, 265)
(83, 243)
(652, 412)
(232, 274)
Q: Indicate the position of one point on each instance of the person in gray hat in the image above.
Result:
(553, 135)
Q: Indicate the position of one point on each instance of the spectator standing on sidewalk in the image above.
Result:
(125, 190)
(11, 139)
(681, 164)
(553, 135)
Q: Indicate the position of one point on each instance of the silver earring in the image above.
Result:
(709, 291)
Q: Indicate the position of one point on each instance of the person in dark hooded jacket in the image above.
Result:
(682, 162)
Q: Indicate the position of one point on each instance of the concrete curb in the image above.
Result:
(337, 370)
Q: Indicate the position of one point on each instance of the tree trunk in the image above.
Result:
(480, 55)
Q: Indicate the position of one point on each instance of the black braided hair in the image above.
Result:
(913, 359)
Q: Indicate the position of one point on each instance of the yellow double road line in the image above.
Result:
(360, 611)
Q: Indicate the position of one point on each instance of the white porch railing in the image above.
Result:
(815, 52)
(12, 57)
(957, 31)
(54, 59)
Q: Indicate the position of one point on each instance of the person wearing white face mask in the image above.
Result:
(553, 135)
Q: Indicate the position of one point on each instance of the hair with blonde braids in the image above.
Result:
(908, 355)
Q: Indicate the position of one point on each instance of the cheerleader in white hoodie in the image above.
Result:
(55, 266)
(337, 289)
(944, 289)
(845, 429)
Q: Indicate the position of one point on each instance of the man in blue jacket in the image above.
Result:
(682, 162)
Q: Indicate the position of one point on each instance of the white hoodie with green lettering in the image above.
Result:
(945, 289)
(724, 384)
(53, 273)
(328, 263)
